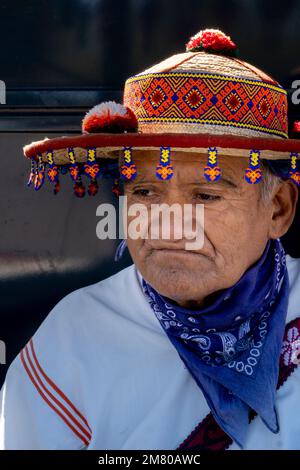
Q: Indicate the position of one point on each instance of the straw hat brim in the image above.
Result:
(108, 145)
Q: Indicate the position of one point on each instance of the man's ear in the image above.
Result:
(284, 207)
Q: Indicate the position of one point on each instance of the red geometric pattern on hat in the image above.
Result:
(157, 97)
(187, 95)
(265, 107)
(233, 101)
(282, 109)
(204, 98)
(136, 96)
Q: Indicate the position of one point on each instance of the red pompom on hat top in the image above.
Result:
(109, 116)
(212, 40)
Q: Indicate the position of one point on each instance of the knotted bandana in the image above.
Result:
(232, 346)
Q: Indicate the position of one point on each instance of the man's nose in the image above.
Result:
(173, 217)
(175, 195)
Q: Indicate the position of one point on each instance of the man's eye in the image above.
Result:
(207, 197)
(143, 192)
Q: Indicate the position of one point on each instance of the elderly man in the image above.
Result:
(185, 348)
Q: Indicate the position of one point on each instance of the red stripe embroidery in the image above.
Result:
(58, 403)
(208, 435)
(58, 407)
(52, 384)
(49, 403)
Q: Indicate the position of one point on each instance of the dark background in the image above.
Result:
(58, 59)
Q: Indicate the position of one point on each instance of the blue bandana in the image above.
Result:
(232, 346)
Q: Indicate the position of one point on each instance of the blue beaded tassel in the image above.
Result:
(294, 173)
(92, 170)
(73, 168)
(79, 189)
(253, 173)
(52, 171)
(128, 168)
(40, 174)
(32, 172)
(164, 170)
(212, 171)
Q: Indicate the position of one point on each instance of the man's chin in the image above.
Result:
(175, 280)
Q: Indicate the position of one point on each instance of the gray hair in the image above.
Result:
(269, 182)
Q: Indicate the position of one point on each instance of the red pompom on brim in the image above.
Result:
(212, 40)
(109, 117)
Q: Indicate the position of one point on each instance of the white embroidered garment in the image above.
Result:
(81, 382)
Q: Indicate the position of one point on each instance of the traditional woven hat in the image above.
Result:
(204, 100)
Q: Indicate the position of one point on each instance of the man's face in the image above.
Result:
(236, 223)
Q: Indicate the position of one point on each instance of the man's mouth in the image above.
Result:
(177, 251)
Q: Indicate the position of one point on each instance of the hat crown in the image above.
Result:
(207, 91)
(210, 63)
